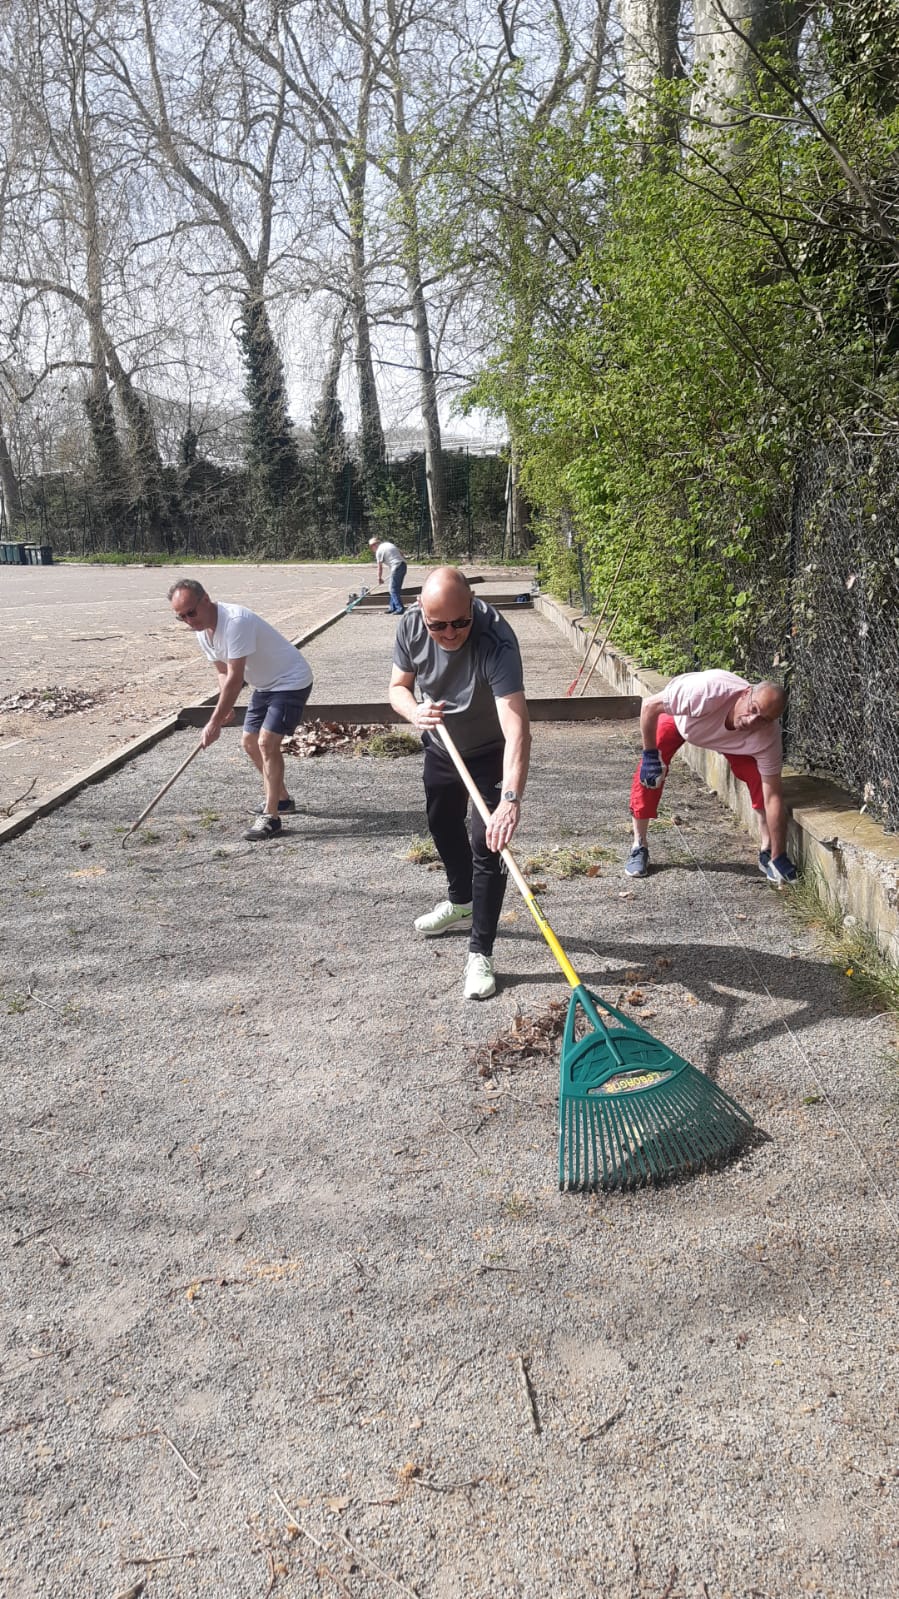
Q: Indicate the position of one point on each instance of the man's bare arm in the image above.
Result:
(231, 683)
(650, 712)
(775, 814)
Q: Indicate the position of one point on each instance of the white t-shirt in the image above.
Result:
(272, 663)
(700, 703)
(388, 555)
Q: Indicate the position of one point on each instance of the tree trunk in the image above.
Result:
(517, 531)
(723, 31)
(372, 446)
(427, 382)
(649, 49)
(9, 487)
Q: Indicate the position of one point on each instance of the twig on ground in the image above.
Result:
(528, 1388)
(176, 1451)
(298, 1524)
(134, 1591)
(272, 1574)
(28, 1237)
(19, 798)
(176, 1554)
(667, 1590)
(61, 1259)
(461, 1136)
(446, 1487)
(366, 1560)
(45, 1002)
(449, 1380)
(604, 1426)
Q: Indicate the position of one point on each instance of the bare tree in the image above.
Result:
(69, 233)
(216, 130)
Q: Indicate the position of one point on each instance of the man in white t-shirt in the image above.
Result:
(242, 647)
(741, 721)
(387, 554)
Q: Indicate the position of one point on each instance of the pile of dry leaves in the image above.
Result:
(323, 738)
(529, 1039)
(50, 702)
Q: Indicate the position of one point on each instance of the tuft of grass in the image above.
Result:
(567, 860)
(15, 1004)
(850, 947)
(209, 818)
(390, 746)
(421, 851)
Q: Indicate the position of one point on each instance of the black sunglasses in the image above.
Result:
(441, 627)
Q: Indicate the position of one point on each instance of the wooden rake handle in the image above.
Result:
(511, 864)
(602, 616)
(164, 790)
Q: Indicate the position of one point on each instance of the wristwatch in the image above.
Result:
(511, 797)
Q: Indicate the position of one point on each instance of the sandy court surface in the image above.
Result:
(293, 1307)
(108, 630)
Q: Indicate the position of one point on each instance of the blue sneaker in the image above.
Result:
(637, 863)
(764, 861)
(782, 871)
(285, 808)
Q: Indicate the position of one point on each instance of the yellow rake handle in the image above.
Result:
(511, 864)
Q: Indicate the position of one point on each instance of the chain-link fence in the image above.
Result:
(841, 630)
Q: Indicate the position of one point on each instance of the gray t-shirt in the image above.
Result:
(470, 680)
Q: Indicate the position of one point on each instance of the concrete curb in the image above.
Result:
(852, 861)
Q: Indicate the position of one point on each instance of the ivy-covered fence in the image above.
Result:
(210, 512)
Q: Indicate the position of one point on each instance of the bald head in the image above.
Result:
(447, 607)
(770, 700)
(446, 587)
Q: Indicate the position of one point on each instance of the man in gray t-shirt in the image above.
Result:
(463, 660)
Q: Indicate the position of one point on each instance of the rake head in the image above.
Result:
(631, 1111)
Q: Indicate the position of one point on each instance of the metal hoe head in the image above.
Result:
(631, 1111)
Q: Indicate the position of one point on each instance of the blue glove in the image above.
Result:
(781, 870)
(652, 769)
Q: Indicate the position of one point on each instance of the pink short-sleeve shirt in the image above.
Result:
(700, 702)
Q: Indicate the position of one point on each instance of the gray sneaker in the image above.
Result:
(637, 863)
(263, 827)
(441, 918)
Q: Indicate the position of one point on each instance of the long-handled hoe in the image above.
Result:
(631, 1111)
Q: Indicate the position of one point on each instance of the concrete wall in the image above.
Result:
(853, 862)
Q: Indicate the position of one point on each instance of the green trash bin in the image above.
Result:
(45, 555)
(14, 553)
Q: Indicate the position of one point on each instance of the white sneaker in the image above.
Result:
(441, 917)
(479, 979)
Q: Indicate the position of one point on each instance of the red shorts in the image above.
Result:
(645, 801)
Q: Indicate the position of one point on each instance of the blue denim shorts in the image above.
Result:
(275, 712)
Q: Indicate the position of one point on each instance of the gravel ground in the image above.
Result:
(292, 1304)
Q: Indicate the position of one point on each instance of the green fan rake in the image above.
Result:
(631, 1111)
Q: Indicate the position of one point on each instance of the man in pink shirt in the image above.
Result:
(716, 711)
